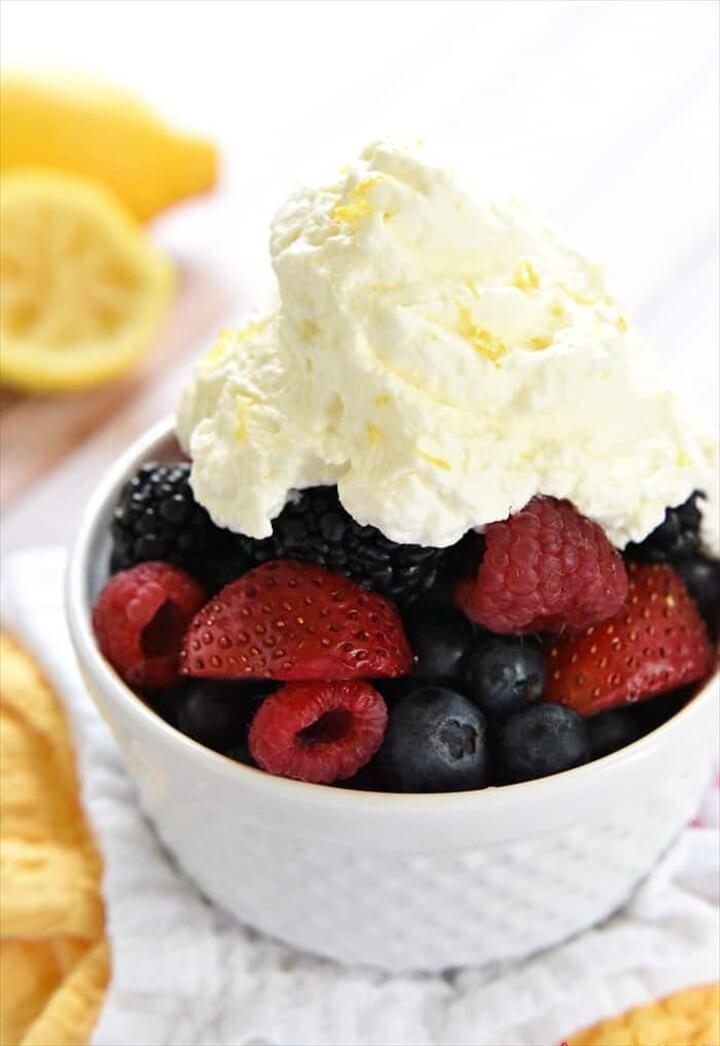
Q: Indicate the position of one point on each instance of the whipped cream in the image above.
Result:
(442, 361)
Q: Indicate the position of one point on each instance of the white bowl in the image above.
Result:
(395, 881)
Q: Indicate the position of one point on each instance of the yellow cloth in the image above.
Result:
(54, 958)
(690, 1018)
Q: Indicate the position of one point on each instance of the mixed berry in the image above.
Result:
(327, 653)
(157, 518)
(286, 620)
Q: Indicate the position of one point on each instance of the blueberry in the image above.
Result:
(393, 689)
(543, 739)
(217, 713)
(369, 778)
(439, 637)
(651, 714)
(240, 752)
(612, 730)
(504, 676)
(435, 742)
(702, 580)
(164, 703)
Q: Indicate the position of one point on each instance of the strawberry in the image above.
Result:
(656, 642)
(287, 620)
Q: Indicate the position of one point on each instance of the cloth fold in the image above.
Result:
(185, 972)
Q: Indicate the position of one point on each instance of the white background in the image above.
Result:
(604, 115)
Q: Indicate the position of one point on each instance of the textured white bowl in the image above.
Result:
(395, 881)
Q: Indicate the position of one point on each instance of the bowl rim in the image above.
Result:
(492, 800)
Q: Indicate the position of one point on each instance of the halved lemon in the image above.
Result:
(82, 291)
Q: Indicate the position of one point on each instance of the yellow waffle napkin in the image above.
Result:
(690, 1018)
(54, 962)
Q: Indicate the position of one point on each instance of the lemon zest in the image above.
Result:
(226, 341)
(483, 341)
(540, 342)
(308, 330)
(525, 277)
(240, 429)
(374, 434)
(358, 205)
(579, 297)
(440, 463)
(244, 400)
(217, 352)
(382, 400)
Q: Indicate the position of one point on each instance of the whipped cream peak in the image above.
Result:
(442, 361)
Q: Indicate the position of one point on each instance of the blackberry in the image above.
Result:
(157, 517)
(233, 556)
(315, 527)
(677, 537)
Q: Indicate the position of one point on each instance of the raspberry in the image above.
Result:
(140, 618)
(655, 643)
(320, 732)
(545, 569)
(295, 621)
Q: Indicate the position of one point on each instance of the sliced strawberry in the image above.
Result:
(287, 620)
(655, 643)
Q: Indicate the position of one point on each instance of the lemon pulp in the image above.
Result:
(82, 291)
